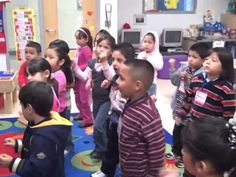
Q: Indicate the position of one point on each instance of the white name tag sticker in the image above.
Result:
(218, 44)
(200, 98)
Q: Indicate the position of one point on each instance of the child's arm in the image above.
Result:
(40, 161)
(108, 70)
(228, 103)
(175, 75)
(182, 112)
(153, 134)
(22, 79)
(83, 75)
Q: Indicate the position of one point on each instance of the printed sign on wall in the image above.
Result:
(24, 29)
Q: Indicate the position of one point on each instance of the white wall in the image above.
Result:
(9, 19)
(127, 9)
(114, 18)
(69, 20)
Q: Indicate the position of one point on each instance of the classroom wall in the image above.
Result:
(9, 19)
(157, 22)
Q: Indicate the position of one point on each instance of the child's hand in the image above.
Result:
(178, 121)
(169, 173)
(185, 75)
(105, 83)
(10, 142)
(103, 56)
(88, 84)
(5, 160)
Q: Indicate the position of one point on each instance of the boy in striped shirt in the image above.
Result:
(141, 135)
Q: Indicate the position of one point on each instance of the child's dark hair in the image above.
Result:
(34, 45)
(109, 38)
(226, 60)
(85, 33)
(40, 65)
(152, 36)
(208, 139)
(125, 49)
(141, 70)
(101, 33)
(201, 48)
(39, 95)
(62, 49)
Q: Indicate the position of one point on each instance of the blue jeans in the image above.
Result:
(100, 114)
(152, 90)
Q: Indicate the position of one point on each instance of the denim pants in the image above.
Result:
(100, 114)
(152, 90)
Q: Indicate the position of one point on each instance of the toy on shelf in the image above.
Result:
(210, 25)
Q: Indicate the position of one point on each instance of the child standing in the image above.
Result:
(209, 147)
(121, 53)
(44, 139)
(57, 56)
(32, 51)
(83, 95)
(152, 54)
(141, 140)
(40, 70)
(100, 96)
(211, 93)
(181, 78)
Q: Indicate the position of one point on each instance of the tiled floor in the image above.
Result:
(164, 93)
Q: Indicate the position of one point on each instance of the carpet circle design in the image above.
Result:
(82, 161)
(19, 125)
(4, 125)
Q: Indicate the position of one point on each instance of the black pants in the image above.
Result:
(111, 158)
(66, 114)
(177, 142)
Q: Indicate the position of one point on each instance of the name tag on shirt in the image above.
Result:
(200, 97)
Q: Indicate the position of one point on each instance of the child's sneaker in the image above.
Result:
(170, 156)
(98, 174)
(179, 163)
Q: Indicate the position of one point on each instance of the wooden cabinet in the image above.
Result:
(228, 20)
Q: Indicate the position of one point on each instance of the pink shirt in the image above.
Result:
(56, 102)
(62, 93)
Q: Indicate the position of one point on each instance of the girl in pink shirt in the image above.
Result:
(57, 56)
(82, 94)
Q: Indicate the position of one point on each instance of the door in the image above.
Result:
(50, 27)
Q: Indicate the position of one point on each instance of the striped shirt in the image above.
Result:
(141, 141)
(220, 100)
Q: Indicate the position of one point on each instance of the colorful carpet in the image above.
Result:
(78, 162)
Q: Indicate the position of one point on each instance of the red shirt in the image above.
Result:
(22, 78)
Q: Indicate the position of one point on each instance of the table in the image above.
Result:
(8, 86)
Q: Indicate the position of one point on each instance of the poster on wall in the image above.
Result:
(24, 29)
(3, 47)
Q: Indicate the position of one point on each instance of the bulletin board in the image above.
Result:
(24, 29)
(3, 47)
(169, 6)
